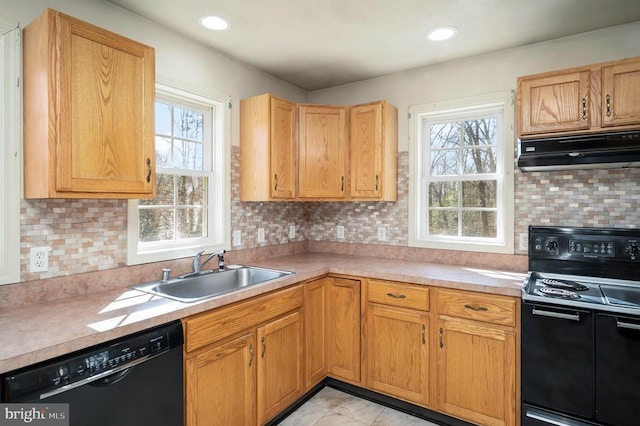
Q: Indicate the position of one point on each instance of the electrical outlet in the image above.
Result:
(382, 234)
(524, 241)
(340, 232)
(261, 235)
(292, 231)
(237, 238)
(39, 259)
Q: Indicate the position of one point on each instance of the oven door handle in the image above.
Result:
(572, 317)
(627, 325)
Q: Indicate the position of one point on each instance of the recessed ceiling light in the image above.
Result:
(442, 33)
(215, 23)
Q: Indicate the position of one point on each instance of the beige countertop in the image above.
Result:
(34, 333)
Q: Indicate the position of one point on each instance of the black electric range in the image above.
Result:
(581, 327)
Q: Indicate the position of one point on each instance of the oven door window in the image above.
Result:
(557, 359)
(618, 369)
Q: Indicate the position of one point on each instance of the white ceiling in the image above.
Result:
(315, 44)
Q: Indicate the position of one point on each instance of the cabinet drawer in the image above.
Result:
(209, 327)
(481, 307)
(398, 294)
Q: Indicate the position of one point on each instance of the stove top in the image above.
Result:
(587, 292)
(594, 268)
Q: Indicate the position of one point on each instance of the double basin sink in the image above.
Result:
(206, 284)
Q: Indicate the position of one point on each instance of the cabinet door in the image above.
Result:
(280, 374)
(89, 104)
(282, 148)
(397, 352)
(343, 328)
(315, 304)
(620, 94)
(555, 104)
(476, 372)
(220, 384)
(322, 170)
(365, 150)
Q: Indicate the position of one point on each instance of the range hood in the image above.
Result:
(593, 151)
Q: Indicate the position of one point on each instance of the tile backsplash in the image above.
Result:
(90, 235)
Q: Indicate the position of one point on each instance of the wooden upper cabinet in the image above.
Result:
(323, 156)
(373, 151)
(267, 149)
(555, 103)
(588, 99)
(88, 111)
(620, 94)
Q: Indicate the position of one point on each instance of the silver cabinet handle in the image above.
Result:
(572, 317)
(627, 325)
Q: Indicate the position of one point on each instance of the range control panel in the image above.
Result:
(613, 252)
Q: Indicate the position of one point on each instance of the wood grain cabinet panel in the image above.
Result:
(398, 294)
(477, 306)
(88, 111)
(344, 329)
(220, 387)
(280, 375)
(315, 314)
(323, 155)
(620, 94)
(397, 355)
(267, 148)
(555, 103)
(373, 151)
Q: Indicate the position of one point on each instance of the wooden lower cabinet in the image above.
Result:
(476, 366)
(280, 377)
(243, 362)
(220, 384)
(397, 352)
(315, 341)
(343, 329)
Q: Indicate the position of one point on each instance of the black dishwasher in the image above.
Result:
(134, 380)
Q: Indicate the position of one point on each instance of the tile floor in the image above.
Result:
(331, 407)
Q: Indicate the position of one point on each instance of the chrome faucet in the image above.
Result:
(197, 265)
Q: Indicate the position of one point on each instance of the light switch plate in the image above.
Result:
(382, 234)
(340, 232)
(292, 231)
(261, 235)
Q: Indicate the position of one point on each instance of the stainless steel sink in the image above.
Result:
(203, 286)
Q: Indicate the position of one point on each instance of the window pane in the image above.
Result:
(480, 132)
(191, 223)
(188, 155)
(479, 160)
(156, 225)
(163, 151)
(164, 191)
(443, 222)
(445, 135)
(163, 118)
(479, 224)
(443, 194)
(187, 124)
(444, 162)
(191, 191)
(481, 193)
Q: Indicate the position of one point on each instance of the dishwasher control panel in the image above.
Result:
(106, 362)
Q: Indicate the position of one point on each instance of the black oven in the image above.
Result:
(581, 328)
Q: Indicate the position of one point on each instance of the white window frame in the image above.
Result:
(10, 153)
(219, 187)
(418, 199)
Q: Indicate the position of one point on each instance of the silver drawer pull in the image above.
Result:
(475, 307)
(627, 325)
(396, 295)
(572, 317)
